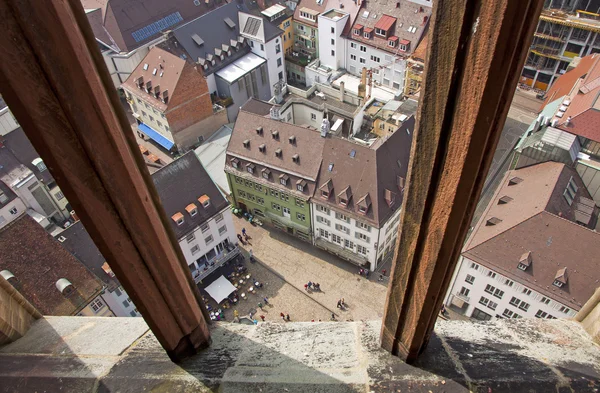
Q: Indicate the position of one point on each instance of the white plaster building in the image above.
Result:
(201, 216)
(356, 206)
(11, 206)
(265, 41)
(532, 253)
(332, 43)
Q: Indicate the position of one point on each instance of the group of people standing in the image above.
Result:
(315, 286)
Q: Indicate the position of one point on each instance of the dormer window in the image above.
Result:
(362, 209)
(300, 184)
(493, 221)
(343, 202)
(250, 168)
(558, 283)
(204, 201)
(344, 196)
(364, 203)
(357, 30)
(389, 197)
(325, 194)
(380, 32)
(39, 164)
(178, 218)
(525, 261)
(521, 266)
(367, 35)
(235, 163)
(191, 209)
(283, 179)
(561, 278)
(266, 173)
(404, 45)
(392, 43)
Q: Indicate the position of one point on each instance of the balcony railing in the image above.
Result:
(215, 263)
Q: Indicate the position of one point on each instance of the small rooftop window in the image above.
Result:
(493, 221)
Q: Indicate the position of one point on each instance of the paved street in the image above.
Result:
(286, 264)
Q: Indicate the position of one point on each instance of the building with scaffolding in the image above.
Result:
(566, 29)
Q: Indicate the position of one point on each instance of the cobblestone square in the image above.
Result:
(284, 264)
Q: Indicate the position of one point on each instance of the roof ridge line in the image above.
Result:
(571, 222)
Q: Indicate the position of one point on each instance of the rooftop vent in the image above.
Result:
(6, 274)
(514, 180)
(278, 153)
(165, 96)
(400, 183)
(296, 158)
(493, 221)
(157, 91)
(146, 67)
(61, 239)
(504, 200)
(292, 140)
(259, 130)
(262, 148)
(389, 197)
(64, 286)
(149, 86)
(140, 82)
(275, 134)
(246, 143)
(199, 41)
(230, 23)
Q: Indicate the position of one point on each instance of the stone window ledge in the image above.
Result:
(75, 354)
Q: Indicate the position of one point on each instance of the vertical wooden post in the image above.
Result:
(55, 81)
(475, 56)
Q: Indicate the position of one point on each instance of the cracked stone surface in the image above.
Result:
(496, 356)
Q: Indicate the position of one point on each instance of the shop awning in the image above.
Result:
(155, 136)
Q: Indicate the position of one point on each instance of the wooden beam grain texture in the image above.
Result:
(55, 81)
(475, 56)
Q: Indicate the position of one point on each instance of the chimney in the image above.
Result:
(342, 91)
(363, 83)
(157, 91)
(165, 96)
(425, 19)
(398, 5)
(74, 216)
(568, 121)
(149, 86)
(140, 82)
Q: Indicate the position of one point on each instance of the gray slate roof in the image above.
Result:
(215, 32)
(182, 182)
(79, 243)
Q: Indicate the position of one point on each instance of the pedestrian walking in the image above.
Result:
(339, 303)
(244, 231)
(332, 316)
(260, 305)
(282, 315)
(343, 303)
(262, 317)
(266, 300)
(287, 317)
(381, 277)
(310, 285)
(306, 287)
(383, 271)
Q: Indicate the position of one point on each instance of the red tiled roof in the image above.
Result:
(368, 29)
(358, 27)
(393, 38)
(405, 42)
(563, 85)
(385, 22)
(586, 124)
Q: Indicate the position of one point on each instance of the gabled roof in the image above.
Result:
(78, 242)
(533, 189)
(216, 35)
(18, 151)
(579, 113)
(406, 20)
(369, 170)
(309, 144)
(552, 243)
(124, 25)
(163, 71)
(38, 261)
(312, 7)
(182, 182)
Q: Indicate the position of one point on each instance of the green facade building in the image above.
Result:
(272, 168)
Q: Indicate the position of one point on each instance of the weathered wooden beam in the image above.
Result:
(55, 81)
(475, 56)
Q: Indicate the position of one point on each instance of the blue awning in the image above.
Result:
(155, 136)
